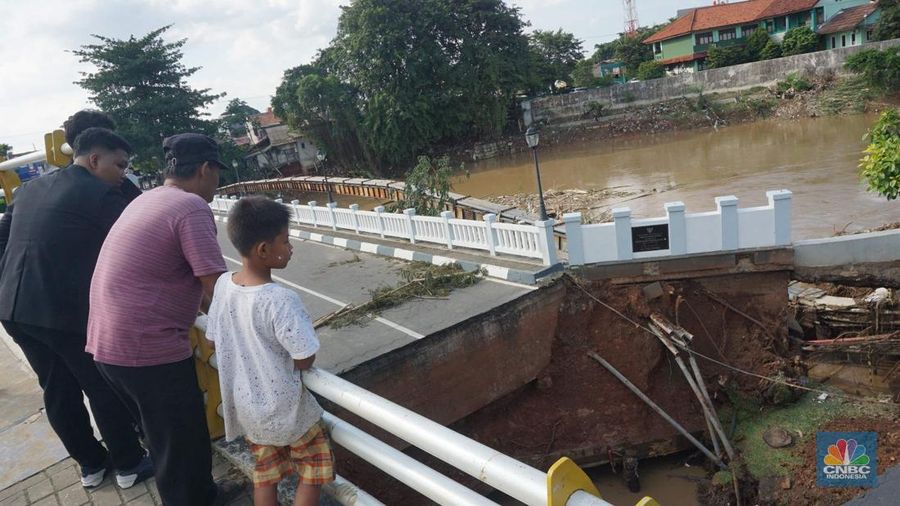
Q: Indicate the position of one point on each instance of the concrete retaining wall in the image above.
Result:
(560, 108)
(862, 259)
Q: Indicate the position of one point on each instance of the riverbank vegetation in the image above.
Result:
(880, 165)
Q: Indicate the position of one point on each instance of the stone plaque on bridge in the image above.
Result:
(650, 238)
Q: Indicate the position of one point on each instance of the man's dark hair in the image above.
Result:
(100, 138)
(256, 219)
(181, 170)
(84, 119)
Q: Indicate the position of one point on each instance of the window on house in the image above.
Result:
(704, 38)
(868, 34)
(728, 34)
(853, 39)
(803, 19)
(748, 30)
(770, 26)
(657, 48)
(843, 41)
(780, 24)
(820, 16)
(833, 43)
(302, 145)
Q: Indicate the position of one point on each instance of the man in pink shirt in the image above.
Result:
(159, 262)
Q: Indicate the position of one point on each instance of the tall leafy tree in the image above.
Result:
(141, 83)
(554, 56)
(799, 40)
(4, 149)
(401, 77)
(888, 26)
(235, 117)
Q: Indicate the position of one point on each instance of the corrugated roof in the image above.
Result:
(682, 59)
(733, 14)
(267, 118)
(847, 19)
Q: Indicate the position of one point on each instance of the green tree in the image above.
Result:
(756, 43)
(142, 84)
(771, 51)
(650, 70)
(799, 40)
(632, 52)
(428, 186)
(717, 57)
(554, 56)
(881, 69)
(402, 77)
(5, 149)
(235, 117)
(888, 26)
(880, 167)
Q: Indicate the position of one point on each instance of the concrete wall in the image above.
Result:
(861, 259)
(562, 108)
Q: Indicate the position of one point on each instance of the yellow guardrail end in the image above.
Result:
(647, 501)
(564, 479)
(9, 181)
(53, 142)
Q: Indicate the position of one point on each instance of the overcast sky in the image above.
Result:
(242, 45)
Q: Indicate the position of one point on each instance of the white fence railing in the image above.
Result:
(727, 228)
(530, 241)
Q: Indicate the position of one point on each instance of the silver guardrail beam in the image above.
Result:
(508, 475)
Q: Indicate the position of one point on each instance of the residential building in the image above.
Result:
(850, 26)
(683, 44)
(276, 149)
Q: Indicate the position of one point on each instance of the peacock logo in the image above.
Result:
(846, 452)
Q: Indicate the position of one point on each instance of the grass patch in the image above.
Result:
(848, 95)
(420, 280)
(801, 419)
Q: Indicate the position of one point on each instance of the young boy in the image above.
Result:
(263, 339)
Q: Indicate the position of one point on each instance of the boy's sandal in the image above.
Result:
(227, 491)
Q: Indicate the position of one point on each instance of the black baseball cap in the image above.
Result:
(188, 148)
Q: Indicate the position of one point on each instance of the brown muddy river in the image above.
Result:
(816, 158)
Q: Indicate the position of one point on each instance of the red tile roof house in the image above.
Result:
(683, 44)
(276, 150)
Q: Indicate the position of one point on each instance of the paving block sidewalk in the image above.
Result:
(60, 484)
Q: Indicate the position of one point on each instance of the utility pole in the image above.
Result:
(631, 19)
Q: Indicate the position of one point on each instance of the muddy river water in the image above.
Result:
(816, 158)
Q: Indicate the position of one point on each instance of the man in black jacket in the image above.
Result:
(87, 118)
(50, 238)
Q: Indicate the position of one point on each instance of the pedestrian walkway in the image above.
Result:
(34, 466)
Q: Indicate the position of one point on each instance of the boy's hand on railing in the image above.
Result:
(304, 364)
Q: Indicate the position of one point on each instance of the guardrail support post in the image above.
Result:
(409, 224)
(622, 220)
(547, 243)
(728, 214)
(677, 228)
(489, 220)
(312, 210)
(380, 219)
(780, 201)
(574, 239)
(331, 206)
(354, 208)
(295, 205)
(448, 230)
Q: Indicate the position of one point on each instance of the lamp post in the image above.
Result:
(320, 155)
(532, 138)
(237, 178)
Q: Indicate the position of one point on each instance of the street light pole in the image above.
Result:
(533, 138)
(237, 178)
(320, 155)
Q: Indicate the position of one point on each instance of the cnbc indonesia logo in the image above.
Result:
(846, 461)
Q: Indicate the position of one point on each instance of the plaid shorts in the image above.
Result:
(309, 457)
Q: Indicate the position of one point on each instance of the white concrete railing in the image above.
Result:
(529, 241)
(725, 229)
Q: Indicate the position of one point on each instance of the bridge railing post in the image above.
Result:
(379, 211)
(622, 220)
(331, 206)
(547, 242)
(312, 210)
(677, 228)
(295, 206)
(574, 238)
(780, 200)
(448, 229)
(489, 220)
(410, 225)
(354, 208)
(728, 214)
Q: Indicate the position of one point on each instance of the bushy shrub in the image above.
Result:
(799, 40)
(771, 51)
(880, 167)
(881, 69)
(650, 70)
(794, 82)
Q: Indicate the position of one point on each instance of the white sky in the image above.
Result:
(242, 45)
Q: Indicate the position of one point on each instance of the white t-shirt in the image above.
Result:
(258, 331)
